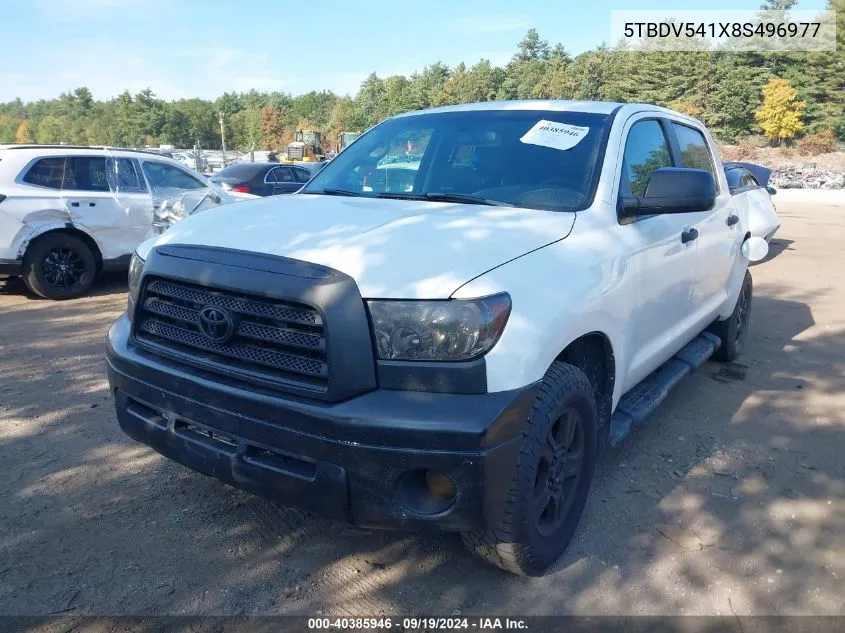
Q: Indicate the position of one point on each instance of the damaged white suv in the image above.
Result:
(68, 212)
(444, 326)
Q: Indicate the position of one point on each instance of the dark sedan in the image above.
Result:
(264, 179)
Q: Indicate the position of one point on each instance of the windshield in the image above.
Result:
(537, 159)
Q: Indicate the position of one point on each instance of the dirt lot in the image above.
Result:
(743, 463)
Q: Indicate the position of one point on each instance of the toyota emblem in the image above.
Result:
(216, 324)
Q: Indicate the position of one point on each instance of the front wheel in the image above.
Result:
(734, 330)
(59, 266)
(551, 479)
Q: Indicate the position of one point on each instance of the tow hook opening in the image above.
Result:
(427, 492)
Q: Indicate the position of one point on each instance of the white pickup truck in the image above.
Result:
(443, 328)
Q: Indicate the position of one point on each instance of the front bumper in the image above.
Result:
(10, 267)
(356, 460)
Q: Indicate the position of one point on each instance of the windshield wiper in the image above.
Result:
(466, 198)
(336, 192)
(445, 197)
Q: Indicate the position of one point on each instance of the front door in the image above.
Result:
(658, 257)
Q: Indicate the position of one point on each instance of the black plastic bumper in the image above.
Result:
(351, 460)
(10, 267)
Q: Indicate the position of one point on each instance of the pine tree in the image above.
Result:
(736, 95)
(777, 5)
(524, 73)
(825, 90)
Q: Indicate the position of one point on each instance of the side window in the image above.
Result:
(270, 177)
(47, 172)
(694, 151)
(734, 177)
(740, 179)
(283, 174)
(162, 175)
(123, 176)
(302, 175)
(748, 180)
(646, 151)
(86, 173)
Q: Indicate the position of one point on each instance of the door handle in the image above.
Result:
(74, 204)
(92, 204)
(732, 219)
(689, 235)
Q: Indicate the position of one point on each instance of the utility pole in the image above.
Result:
(222, 138)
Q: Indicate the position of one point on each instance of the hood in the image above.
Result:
(391, 248)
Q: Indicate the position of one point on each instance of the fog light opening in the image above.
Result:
(440, 486)
(427, 491)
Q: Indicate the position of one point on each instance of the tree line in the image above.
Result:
(725, 90)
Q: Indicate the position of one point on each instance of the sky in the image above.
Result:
(202, 48)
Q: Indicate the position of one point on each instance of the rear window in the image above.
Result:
(694, 152)
(86, 173)
(283, 175)
(47, 172)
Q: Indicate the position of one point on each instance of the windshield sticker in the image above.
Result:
(555, 135)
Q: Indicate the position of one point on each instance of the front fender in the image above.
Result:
(551, 310)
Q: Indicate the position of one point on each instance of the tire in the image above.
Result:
(734, 330)
(59, 266)
(534, 534)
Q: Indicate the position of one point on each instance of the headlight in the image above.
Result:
(452, 330)
(136, 268)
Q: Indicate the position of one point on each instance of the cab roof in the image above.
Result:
(549, 105)
(50, 150)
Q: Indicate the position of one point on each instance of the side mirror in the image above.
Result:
(674, 190)
(772, 191)
(755, 249)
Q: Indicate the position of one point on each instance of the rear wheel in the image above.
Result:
(734, 330)
(551, 480)
(59, 266)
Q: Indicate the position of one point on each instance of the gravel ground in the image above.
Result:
(731, 501)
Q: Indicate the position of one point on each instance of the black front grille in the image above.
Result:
(270, 340)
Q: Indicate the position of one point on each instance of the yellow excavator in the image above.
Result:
(345, 139)
(307, 147)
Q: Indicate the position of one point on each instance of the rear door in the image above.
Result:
(285, 181)
(91, 204)
(719, 229)
(270, 183)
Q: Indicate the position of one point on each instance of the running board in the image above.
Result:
(640, 402)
